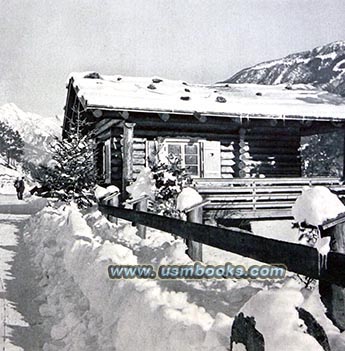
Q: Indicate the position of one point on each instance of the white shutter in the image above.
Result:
(211, 159)
(163, 153)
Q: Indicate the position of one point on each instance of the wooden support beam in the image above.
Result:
(127, 153)
(107, 125)
(124, 115)
(333, 295)
(243, 154)
(185, 134)
(194, 250)
(201, 118)
(141, 206)
(343, 178)
(164, 116)
(97, 113)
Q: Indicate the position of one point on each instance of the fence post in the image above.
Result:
(194, 250)
(332, 295)
(112, 200)
(141, 206)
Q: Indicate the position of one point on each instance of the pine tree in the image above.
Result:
(11, 143)
(71, 174)
(170, 178)
(322, 154)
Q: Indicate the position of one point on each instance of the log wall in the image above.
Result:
(227, 159)
(278, 156)
(139, 156)
(116, 161)
(253, 152)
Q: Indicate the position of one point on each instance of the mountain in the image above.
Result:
(323, 67)
(36, 131)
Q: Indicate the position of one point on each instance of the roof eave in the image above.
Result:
(216, 114)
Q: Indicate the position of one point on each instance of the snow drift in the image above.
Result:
(88, 311)
(84, 310)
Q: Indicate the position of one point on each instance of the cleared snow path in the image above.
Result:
(20, 323)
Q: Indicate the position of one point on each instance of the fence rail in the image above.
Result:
(256, 198)
(297, 258)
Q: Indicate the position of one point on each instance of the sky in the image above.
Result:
(200, 41)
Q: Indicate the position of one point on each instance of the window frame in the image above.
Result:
(183, 143)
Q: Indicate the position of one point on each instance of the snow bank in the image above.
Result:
(316, 205)
(277, 318)
(278, 321)
(85, 310)
(313, 304)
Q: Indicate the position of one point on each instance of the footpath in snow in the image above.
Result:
(20, 322)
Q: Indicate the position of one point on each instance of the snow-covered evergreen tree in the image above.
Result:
(11, 143)
(170, 178)
(71, 174)
(322, 154)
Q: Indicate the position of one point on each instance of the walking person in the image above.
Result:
(20, 187)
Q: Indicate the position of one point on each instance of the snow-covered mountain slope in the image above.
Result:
(323, 67)
(36, 131)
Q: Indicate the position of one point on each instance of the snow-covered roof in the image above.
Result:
(144, 94)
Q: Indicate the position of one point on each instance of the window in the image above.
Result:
(201, 158)
(191, 159)
(188, 153)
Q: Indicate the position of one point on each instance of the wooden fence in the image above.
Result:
(297, 258)
(256, 198)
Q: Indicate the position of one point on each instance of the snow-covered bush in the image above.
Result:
(170, 178)
(144, 185)
(321, 154)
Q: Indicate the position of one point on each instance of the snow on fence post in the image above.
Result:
(140, 204)
(323, 211)
(112, 200)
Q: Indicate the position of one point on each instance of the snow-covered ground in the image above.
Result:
(20, 321)
(9, 316)
(84, 310)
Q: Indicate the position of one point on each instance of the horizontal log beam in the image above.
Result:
(99, 129)
(274, 150)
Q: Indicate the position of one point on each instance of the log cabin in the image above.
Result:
(240, 142)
